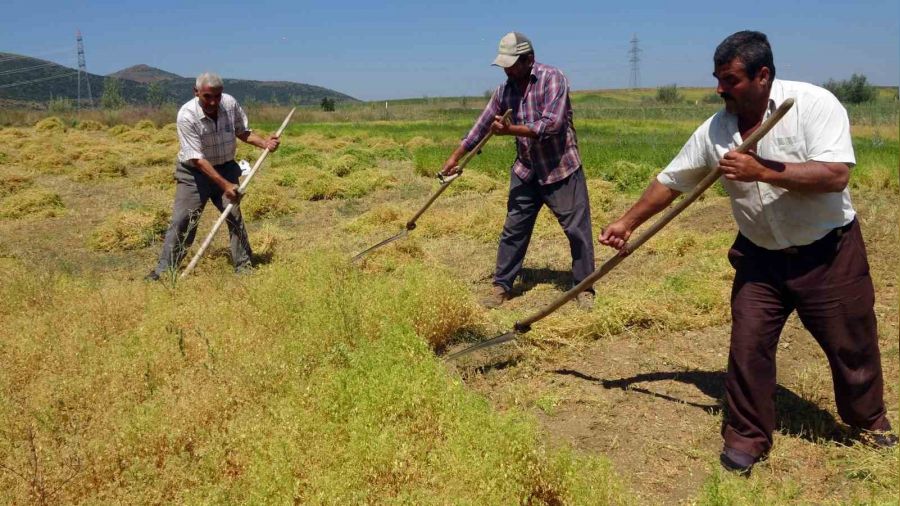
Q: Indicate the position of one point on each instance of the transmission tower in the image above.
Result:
(82, 71)
(634, 56)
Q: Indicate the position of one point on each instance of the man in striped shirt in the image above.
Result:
(547, 169)
(207, 127)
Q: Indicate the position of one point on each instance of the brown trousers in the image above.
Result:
(828, 283)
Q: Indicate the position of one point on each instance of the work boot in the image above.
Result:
(737, 461)
(498, 296)
(585, 301)
(153, 276)
(878, 438)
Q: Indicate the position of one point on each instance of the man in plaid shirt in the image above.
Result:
(206, 170)
(547, 169)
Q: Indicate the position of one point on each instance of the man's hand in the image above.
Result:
(747, 168)
(451, 166)
(232, 194)
(501, 126)
(615, 235)
(272, 143)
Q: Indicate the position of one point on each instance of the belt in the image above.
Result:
(833, 234)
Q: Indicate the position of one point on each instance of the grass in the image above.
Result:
(316, 381)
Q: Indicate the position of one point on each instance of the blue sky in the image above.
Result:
(398, 49)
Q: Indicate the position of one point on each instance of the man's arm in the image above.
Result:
(812, 176)
(488, 117)
(271, 143)
(229, 189)
(655, 198)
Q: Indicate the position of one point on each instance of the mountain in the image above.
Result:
(144, 74)
(24, 79)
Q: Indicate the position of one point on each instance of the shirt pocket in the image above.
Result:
(788, 148)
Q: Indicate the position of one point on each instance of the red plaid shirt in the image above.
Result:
(545, 109)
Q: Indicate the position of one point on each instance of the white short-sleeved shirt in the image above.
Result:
(201, 137)
(816, 128)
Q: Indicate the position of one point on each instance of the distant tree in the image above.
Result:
(327, 104)
(60, 105)
(155, 96)
(853, 91)
(668, 94)
(112, 94)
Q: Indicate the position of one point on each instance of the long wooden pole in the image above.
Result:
(520, 327)
(230, 206)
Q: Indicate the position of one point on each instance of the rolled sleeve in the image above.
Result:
(553, 115)
(189, 137)
(483, 125)
(241, 123)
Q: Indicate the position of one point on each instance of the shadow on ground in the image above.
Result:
(796, 416)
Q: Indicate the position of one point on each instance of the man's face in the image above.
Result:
(521, 69)
(741, 94)
(209, 99)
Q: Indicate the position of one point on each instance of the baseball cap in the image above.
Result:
(512, 45)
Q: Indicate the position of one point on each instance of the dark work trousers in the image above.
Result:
(828, 283)
(192, 190)
(568, 199)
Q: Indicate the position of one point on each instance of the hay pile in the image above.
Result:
(129, 230)
(13, 183)
(91, 126)
(145, 124)
(33, 203)
(50, 125)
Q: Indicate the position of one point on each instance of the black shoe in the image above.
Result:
(153, 276)
(878, 439)
(737, 461)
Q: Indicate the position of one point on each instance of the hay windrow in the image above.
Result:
(266, 200)
(145, 124)
(129, 230)
(104, 168)
(118, 129)
(419, 142)
(31, 203)
(473, 182)
(135, 136)
(160, 178)
(13, 183)
(90, 125)
(384, 217)
(50, 125)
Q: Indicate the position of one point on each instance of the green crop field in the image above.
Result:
(313, 380)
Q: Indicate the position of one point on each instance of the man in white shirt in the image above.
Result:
(799, 245)
(207, 127)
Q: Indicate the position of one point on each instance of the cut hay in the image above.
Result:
(33, 203)
(473, 182)
(152, 156)
(105, 168)
(48, 159)
(145, 124)
(319, 185)
(50, 125)
(386, 217)
(129, 230)
(118, 129)
(135, 136)
(364, 182)
(169, 128)
(161, 178)
(266, 201)
(344, 164)
(90, 126)
(13, 183)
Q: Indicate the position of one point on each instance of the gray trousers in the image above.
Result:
(192, 190)
(568, 199)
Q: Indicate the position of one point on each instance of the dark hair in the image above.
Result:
(751, 47)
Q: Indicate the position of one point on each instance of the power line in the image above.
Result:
(25, 69)
(32, 81)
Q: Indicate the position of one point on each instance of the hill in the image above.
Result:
(144, 74)
(24, 79)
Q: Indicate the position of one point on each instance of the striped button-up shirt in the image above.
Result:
(545, 109)
(203, 137)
